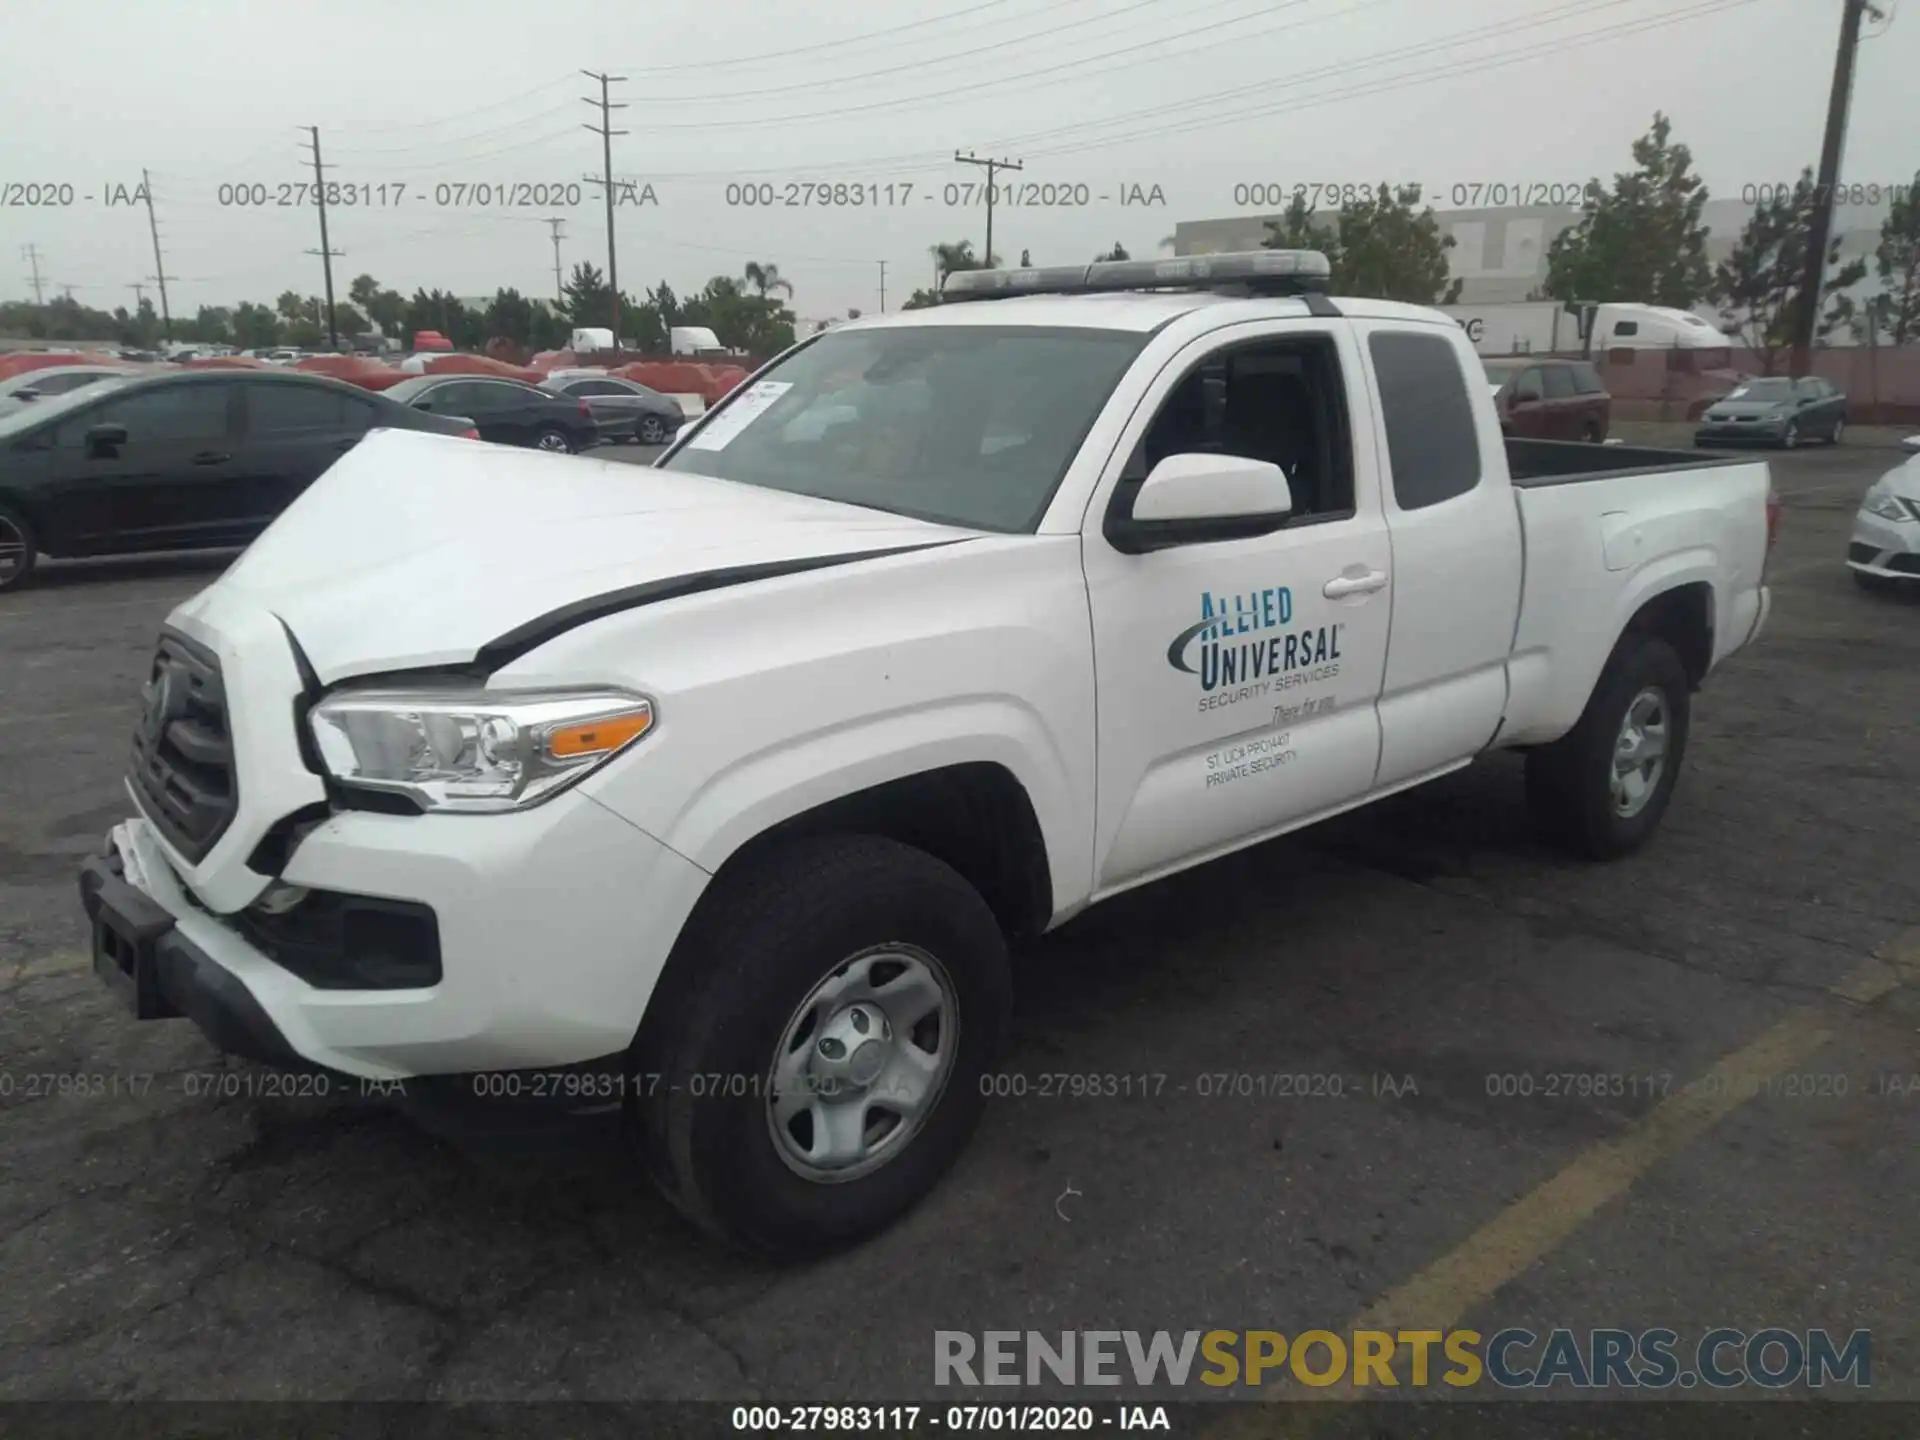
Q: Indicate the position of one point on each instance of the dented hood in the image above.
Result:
(418, 549)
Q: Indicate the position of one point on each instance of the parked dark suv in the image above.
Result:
(1549, 399)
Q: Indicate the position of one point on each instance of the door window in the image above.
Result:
(1279, 401)
(1431, 443)
(590, 388)
(1559, 382)
(298, 409)
(170, 413)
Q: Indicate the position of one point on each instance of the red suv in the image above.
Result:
(1549, 399)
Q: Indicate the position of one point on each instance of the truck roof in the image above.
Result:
(1143, 311)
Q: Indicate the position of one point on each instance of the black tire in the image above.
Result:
(1569, 782)
(1790, 437)
(19, 549)
(1591, 434)
(548, 436)
(753, 952)
(652, 430)
(1839, 429)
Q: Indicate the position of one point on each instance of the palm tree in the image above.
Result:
(766, 279)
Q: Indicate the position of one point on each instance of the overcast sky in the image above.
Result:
(1191, 96)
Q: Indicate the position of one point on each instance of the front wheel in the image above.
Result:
(553, 441)
(1790, 437)
(19, 549)
(1839, 429)
(818, 1053)
(1601, 789)
(653, 430)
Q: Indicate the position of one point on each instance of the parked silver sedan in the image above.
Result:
(1885, 549)
(622, 409)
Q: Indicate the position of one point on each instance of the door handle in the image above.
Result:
(211, 457)
(1343, 585)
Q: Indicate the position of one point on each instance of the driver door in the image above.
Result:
(1240, 679)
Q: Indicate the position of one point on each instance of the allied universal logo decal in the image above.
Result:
(1213, 648)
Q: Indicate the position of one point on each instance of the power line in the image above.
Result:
(1448, 71)
(991, 166)
(997, 45)
(31, 254)
(1156, 45)
(606, 132)
(836, 45)
(552, 84)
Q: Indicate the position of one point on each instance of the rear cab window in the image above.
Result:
(1433, 447)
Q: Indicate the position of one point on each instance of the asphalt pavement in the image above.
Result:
(1435, 978)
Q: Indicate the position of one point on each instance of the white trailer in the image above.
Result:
(1522, 328)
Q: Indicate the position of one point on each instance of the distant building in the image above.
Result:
(1501, 255)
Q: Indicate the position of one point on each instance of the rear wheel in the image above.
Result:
(1790, 437)
(1600, 790)
(653, 430)
(554, 441)
(816, 1058)
(1591, 434)
(1839, 429)
(19, 549)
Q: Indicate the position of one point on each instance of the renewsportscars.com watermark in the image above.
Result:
(1723, 1358)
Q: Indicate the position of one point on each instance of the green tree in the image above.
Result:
(922, 300)
(349, 320)
(386, 308)
(1757, 287)
(589, 298)
(1381, 246)
(1642, 241)
(511, 317)
(255, 327)
(213, 325)
(1896, 309)
(304, 333)
(765, 279)
(1118, 252)
(951, 257)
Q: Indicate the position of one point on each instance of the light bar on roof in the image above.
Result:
(1277, 272)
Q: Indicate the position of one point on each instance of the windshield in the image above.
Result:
(1763, 390)
(37, 412)
(960, 424)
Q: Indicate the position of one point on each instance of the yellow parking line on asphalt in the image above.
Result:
(1443, 1294)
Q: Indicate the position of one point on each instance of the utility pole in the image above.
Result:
(139, 290)
(554, 222)
(883, 287)
(1819, 233)
(606, 132)
(69, 291)
(326, 252)
(31, 254)
(991, 165)
(159, 276)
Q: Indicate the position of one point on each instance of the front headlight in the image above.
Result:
(475, 751)
(1890, 507)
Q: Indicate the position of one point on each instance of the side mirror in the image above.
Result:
(105, 438)
(1196, 499)
(426, 405)
(1911, 444)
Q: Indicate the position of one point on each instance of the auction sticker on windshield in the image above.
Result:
(721, 431)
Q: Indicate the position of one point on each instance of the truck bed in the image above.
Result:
(1562, 462)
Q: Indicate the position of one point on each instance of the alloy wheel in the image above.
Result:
(1639, 753)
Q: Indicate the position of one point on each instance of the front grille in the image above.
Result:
(183, 767)
(1862, 554)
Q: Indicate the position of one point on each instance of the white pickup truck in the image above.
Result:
(707, 797)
